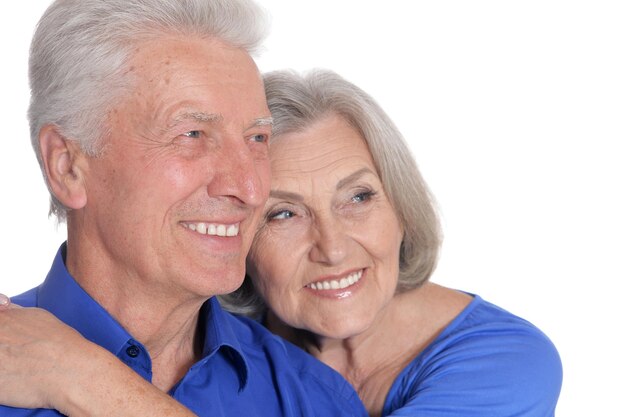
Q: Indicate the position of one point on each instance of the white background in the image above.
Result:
(516, 112)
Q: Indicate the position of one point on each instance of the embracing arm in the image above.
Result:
(46, 364)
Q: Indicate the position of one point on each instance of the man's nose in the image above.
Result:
(241, 174)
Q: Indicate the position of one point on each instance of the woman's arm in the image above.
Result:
(46, 364)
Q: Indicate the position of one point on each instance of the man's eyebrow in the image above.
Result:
(353, 177)
(263, 121)
(286, 195)
(198, 116)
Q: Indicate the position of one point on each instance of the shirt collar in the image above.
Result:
(62, 296)
(219, 334)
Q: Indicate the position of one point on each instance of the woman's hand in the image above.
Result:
(5, 302)
(47, 364)
(33, 356)
(41, 359)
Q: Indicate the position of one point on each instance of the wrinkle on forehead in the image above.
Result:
(300, 156)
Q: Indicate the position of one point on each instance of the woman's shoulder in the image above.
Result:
(488, 326)
(485, 359)
(486, 334)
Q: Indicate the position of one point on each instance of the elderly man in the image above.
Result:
(149, 121)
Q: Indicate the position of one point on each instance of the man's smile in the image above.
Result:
(213, 229)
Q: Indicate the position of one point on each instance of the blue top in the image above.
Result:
(244, 370)
(486, 363)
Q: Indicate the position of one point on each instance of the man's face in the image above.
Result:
(175, 198)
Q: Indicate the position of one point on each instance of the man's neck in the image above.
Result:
(164, 321)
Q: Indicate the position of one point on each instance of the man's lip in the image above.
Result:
(213, 228)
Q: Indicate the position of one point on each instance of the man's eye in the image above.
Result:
(193, 134)
(260, 138)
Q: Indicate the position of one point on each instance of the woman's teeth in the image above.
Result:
(335, 284)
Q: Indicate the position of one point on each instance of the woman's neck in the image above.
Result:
(372, 359)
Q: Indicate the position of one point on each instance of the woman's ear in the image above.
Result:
(65, 167)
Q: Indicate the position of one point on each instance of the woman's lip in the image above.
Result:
(337, 284)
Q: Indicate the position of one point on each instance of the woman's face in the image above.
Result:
(326, 255)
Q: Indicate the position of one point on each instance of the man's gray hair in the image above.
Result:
(296, 102)
(81, 48)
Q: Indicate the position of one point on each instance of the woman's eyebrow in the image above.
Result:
(286, 195)
(353, 177)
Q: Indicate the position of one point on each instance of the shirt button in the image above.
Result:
(132, 351)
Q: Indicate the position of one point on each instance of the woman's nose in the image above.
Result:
(329, 244)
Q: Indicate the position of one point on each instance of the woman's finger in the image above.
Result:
(5, 303)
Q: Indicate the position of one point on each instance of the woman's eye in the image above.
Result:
(193, 134)
(281, 215)
(362, 197)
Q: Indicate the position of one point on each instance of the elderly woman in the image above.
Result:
(340, 267)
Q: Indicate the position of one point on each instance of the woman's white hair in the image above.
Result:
(81, 48)
(297, 101)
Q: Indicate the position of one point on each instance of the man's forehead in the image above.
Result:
(206, 81)
(167, 49)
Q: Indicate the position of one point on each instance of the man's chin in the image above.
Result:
(222, 284)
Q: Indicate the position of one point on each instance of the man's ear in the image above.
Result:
(65, 166)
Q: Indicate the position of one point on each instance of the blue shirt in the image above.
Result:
(244, 370)
(486, 363)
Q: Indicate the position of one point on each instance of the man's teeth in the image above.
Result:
(335, 284)
(214, 229)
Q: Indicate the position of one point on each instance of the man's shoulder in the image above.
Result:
(26, 299)
(31, 297)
